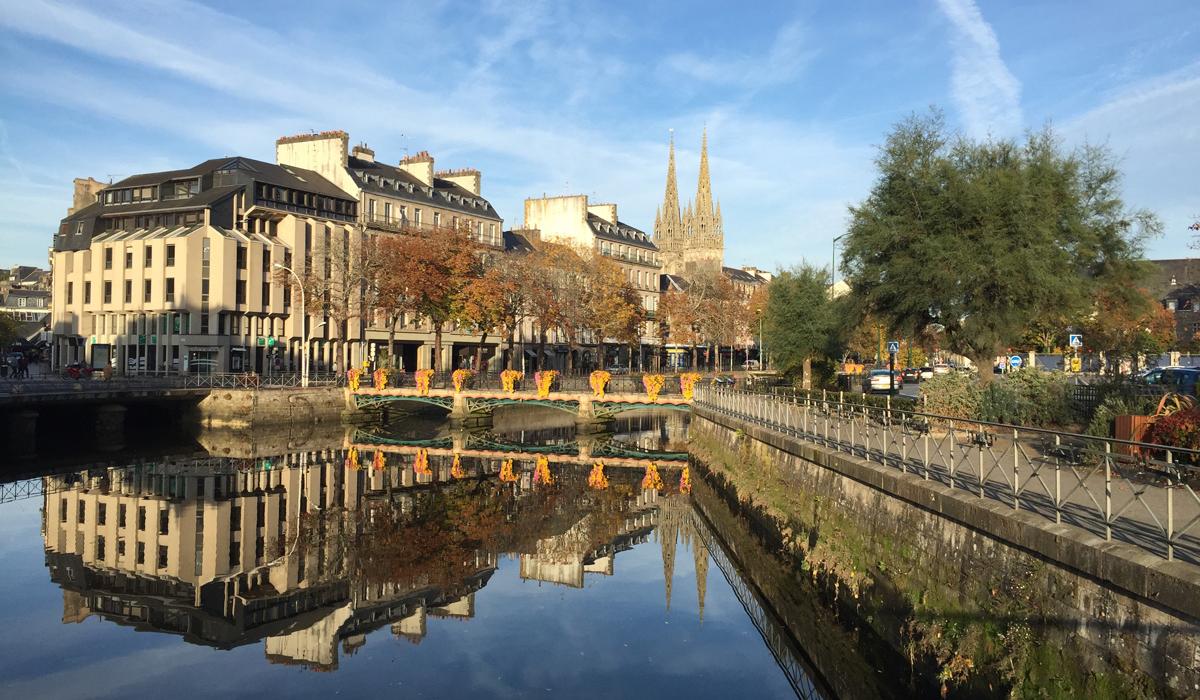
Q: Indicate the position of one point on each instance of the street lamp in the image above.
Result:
(303, 323)
(833, 264)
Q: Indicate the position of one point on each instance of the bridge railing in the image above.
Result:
(573, 382)
(258, 381)
(1140, 493)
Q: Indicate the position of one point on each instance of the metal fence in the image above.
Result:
(45, 386)
(1138, 493)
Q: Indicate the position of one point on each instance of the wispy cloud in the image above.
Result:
(790, 52)
(987, 94)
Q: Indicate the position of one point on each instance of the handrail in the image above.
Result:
(1134, 491)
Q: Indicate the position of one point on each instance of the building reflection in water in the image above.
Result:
(311, 549)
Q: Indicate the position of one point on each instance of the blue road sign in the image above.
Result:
(893, 347)
(1015, 362)
(1076, 340)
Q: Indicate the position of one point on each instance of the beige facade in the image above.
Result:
(596, 229)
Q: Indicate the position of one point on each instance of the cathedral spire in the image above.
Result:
(670, 208)
(704, 199)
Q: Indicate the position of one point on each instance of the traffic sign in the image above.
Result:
(1076, 340)
(1076, 364)
(893, 347)
(261, 341)
(271, 342)
(1015, 362)
(141, 340)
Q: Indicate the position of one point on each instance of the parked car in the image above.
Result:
(752, 365)
(724, 380)
(926, 373)
(911, 374)
(880, 380)
(941, 369)
(616, 369)
(1154, 376)
(1181, 380)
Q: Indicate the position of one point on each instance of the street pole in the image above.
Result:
(303, 325)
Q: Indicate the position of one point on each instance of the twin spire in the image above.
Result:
(696, 232)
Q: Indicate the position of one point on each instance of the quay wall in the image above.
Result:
(968, 605)
(251, 408)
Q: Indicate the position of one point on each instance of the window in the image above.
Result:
(120, 547)
(170, 290)
(437, 219)
(387, 211)
(171, 255)
(101, 514)
(164, 522)
(241, 257)
(241, 291)
(100, 547)
(266, 294)
(70, 292)
(141, 553)
(149, 256)
(180, 190)
(87, 292)
(203, 324)
(141, 521)
(107, 292)
(121, 515)
(162, 556)
(78, 228)
(146, 291)
(108, 258)
(266, 260)
(417, 216)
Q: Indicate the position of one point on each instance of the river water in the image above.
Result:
(408, 559)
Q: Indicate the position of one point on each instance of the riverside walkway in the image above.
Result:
(1117, 491)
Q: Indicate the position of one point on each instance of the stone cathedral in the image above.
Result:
(691, 242)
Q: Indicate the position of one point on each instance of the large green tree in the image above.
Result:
(798, 320)
(977, 240)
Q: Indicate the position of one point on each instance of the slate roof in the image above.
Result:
(672, 283)
(620, 232)
(1183, 271)
(261, 171)
(517, 243)
(390, 180)
(740, 275)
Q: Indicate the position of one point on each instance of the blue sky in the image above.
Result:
(561, 97)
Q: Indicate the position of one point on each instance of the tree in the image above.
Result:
(798, 319)
(680, 313)
(498, 299)
(8, 330)
(1127, 326)
(428, 272)
(616, 307)
(567, 293)
(979, 239)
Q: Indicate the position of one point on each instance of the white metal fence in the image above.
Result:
(1139, 493)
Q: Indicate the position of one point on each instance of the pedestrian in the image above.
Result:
(23, 367)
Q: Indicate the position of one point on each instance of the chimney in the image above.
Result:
(326, 154)
(466, 178)
(419, 166)
(608, 212)
(86, 192)
(362, 152)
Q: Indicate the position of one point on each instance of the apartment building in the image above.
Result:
(595, 228)
(175, 271)
(411, 197)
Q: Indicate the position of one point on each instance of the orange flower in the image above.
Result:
(509, 379)
(421, 463)
(598, 381)
(456, 469)
(379, 461)
(541, 473)
(424, 379)
(653, 384)
(687, 384)
(352, 459)
(596, 479)
(506, 471)
(460, 378)
(652, 480)
(685, 482)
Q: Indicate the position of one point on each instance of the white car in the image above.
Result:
(880, 380)
(941, 369)
(752, 365)
(926, 373)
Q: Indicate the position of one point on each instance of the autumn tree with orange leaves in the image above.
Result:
(1127, 324)
(426, 274)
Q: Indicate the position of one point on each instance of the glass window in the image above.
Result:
(146, 291)
(149, 256)
(108, 258)
(128, 291)
(171, 255)
(141, 553)
(107, 292)
(141, 518)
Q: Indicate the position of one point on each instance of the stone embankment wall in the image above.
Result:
(251, 408)
(982, 617)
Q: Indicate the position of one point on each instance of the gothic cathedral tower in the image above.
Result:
(692, 243)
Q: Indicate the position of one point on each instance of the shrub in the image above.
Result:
(1180, 429)
(1043, 398)
(1102, 423)
(999, 402)
(956, 395)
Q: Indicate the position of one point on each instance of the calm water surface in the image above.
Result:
(373, 563)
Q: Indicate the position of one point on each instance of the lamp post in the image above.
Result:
(833, 264)
(303, 323)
